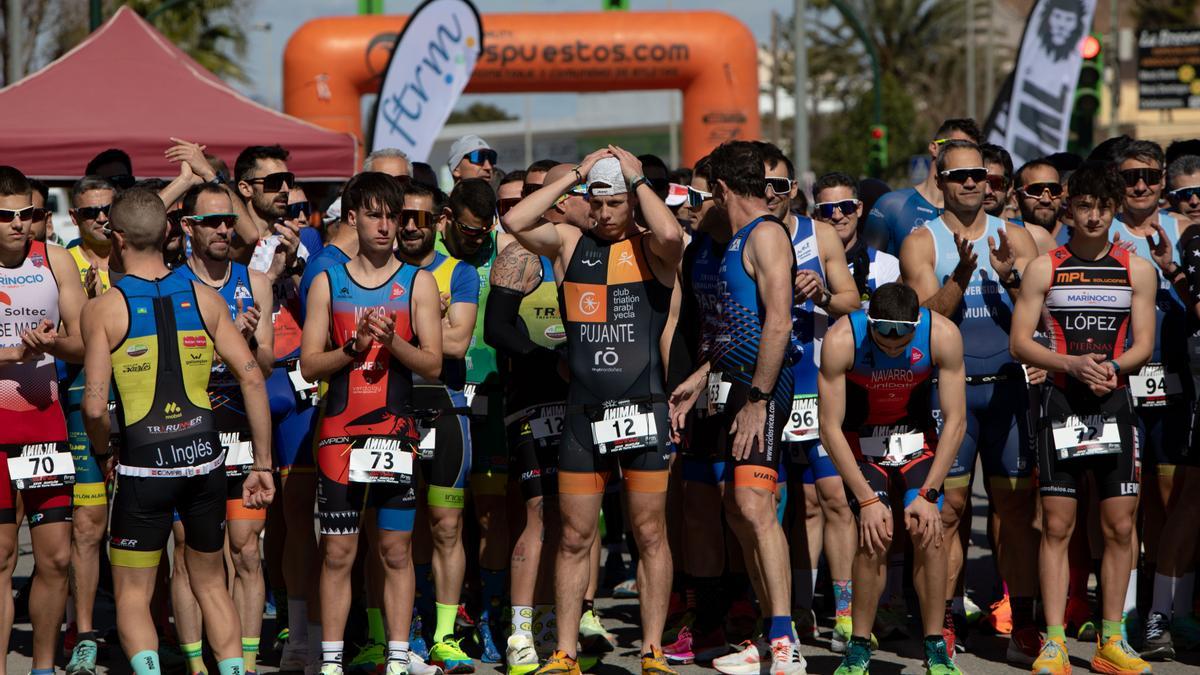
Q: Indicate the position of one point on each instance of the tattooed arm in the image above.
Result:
(101, 318)
(515, 273)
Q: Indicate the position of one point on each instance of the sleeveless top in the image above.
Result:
(615, 311)
(224, 392)
(890, 390)
(84, 265)
(985, 314)
(30, 411)
(449, 273)
(742, 318)
(481, 358)
(1087, 308)
(1170, 313)
(372, 395)
(539, 316)
(809, 322)
(701, 276)
(161, 372)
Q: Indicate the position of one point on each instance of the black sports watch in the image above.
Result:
(350, 351)
(931, 495)
(757, 395)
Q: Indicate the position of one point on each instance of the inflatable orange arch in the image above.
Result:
(330, 63)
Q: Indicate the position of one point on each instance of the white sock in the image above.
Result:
(397, 651)
(314, 639)
(297, 620)
(1183, 594)
(1131, 593)
(1164, 594)
(522, 620)
(331, 652)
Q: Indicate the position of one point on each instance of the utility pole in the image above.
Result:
(14, 25)
(776, 29)
(1114, 51)
(800, 145)
(989, 58)
(971, 58)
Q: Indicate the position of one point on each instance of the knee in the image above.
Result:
(650, 533)
(396, 556)
(447, 529)
(1119, 531)
(756, 507)
(339, 556)
(55, 562)
(1057, 529)
(245, 557)
(576, 541)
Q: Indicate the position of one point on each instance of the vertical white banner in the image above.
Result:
(431, 62)
(1037, 118)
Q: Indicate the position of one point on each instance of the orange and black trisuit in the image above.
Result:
(615, 312)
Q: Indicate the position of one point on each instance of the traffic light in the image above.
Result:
(877, 154)
(1091, 75)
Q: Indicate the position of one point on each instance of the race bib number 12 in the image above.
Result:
(624, 427)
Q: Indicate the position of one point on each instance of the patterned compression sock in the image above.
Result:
(843, 593)
(234, 666)
(250, 653)
(375, 629)
(522, 620)
(145, 662)
(194, 651)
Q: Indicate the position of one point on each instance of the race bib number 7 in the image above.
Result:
(379, 459)
(42, 465)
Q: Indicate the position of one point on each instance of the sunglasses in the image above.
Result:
(941, 141)
(1147, 176)
(474, 231)
(1185, 194)
(503, 206)
(9, 215)
(780, 186)
(530, 188)
(696, 198)
(299, 210)
(40, 213)
(274, 182)
(214, 219)
(976, 174)
(1037, 190)
(478, 157)
(92, 212)
(997, 183)
(423, 219)
(892, 329)
(846, 206)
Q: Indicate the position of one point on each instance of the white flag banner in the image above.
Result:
(431, 62)
(1036, 117)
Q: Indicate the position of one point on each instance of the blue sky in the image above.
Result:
(265, 58)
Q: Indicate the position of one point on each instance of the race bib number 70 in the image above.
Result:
(42, 465)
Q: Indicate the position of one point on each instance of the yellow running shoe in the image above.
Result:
(1052, 659)
(655, 663)
(559, 664)
(1115, 656)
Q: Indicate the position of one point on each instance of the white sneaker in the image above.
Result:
(417, 666)
(293, 658)
(745, 660)
(786, 658)
(520, 654)
(396, 668)
(331, 669)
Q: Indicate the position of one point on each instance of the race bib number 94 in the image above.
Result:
(379, 459)
(41, 465)
(1152, 385)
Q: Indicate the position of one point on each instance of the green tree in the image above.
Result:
(842, 140)
(1163, 13)
(479, 112)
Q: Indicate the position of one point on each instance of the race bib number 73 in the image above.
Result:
(380, 459)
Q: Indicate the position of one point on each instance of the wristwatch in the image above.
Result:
(637, 182)
(757, 395)
(825, 299)
(931, 495)
(1115, 366)
(350, 351)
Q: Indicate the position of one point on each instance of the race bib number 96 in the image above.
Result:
(802, 424)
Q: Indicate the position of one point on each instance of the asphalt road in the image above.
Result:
(986, 653)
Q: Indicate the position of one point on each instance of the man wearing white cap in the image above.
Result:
(616, 282)
(471, 157)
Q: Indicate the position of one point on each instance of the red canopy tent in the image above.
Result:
(128, 87)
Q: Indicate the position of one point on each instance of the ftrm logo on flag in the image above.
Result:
(431, 62)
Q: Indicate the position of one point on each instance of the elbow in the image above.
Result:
(510, 224)
(307, 369)
(433, 371)
(94, 410)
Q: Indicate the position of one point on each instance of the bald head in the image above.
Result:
(141, 217)
(557, 171)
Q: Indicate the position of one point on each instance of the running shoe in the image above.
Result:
(1000, 616)
(462, 620)
(679, 652)
(949, 632)
(786, 658)
(709, 646)
(891, 620)
(559, 664)
(937, 659)
(1023, 646)
(805, 622)
(593, 638)
(371, 656)
(417, 665)
(626, 590)
(671, 633)
(487, 644)
(1156, 640)
(857, 660)
(449, 656)
(520, 655)
(416, 638)
(1052, 659)
(395, 667)
(655, 663)
(1186, 631)
(269, 610)
(83, 659)
(294, 657)
(973, 612)
(1115, 656)
(746, 659)
(843, 628)
(331, 669)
